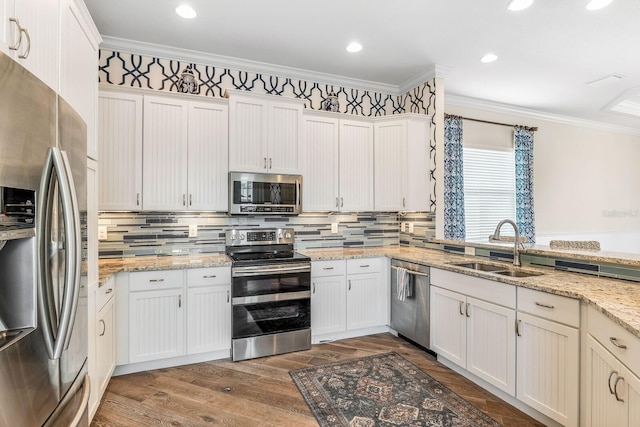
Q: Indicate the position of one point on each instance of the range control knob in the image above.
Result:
(232, 237)
(287, 235)
(279, 235)
(242, 236)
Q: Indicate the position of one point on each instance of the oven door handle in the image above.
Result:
(262, 270)
(285, 296)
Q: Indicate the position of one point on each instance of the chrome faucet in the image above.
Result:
(496, 237)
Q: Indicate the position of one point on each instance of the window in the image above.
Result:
(489, 190)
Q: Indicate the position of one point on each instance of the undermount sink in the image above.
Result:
(496, 269)
(479, 266)
(517, 273)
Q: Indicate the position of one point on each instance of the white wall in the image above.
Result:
(586, 180)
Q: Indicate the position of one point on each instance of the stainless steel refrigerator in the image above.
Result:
(43, 282)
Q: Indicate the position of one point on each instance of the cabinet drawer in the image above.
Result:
(549, 306)
(364, 265)
(606, 331)
(153, 280)
(484, 289)
(208, 276)
(328, 268)
(105, 293)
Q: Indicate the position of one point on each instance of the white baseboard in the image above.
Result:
(174, 361)
(319, 339)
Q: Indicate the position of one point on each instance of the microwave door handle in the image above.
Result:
(45, 286)
(298, 193)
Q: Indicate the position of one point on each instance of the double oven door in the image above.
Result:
(271, 299)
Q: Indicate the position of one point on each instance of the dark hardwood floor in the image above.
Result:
(260, 392)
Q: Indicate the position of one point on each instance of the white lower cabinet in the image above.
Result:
(549, 355)
(348, 298)
(612, 384)
(174, 317)
(473, 333)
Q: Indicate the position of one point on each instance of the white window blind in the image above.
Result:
(489, 191)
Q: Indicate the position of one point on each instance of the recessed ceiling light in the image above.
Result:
(354, 47)
(186, 11)
(519, 4)
(598, 4)
(489, 57)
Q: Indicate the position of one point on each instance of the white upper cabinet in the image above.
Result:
(356, 166)
(320, 175)
(402, 163)
(264, 133)
(31, 36)
(79, 40)
(120, 151)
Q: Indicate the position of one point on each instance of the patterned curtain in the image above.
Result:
(523, 140)
(453, 180)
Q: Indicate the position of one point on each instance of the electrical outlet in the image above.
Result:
(403, 227)
(470, 250)
(334, 228)
(410, 227)
(102, 232)
(193, 230)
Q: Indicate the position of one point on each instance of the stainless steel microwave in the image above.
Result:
(261, 193)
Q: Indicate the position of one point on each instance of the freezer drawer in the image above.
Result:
(410, 318)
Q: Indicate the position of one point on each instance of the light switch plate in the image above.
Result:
(403, 227)
(334, 228)
(410, 227)
(193, 230)
(102, 232)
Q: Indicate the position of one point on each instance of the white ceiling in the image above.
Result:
(547, 53)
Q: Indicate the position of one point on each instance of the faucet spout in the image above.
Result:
(496, 237)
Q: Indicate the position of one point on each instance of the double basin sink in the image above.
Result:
(496, 269)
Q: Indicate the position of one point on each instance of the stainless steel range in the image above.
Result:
(271, 293)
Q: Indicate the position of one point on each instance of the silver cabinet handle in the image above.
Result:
(539, 304)
(104, 328)
(314, 288)
(227, 296)
(137, 199)
(337, 204)
(18, 34)
(615, 389)
(349, 284)
(341, 202)
(615, 342)
(468, 311)
(403, 202)
(265, 163)
(327, 268)
(179, 301)
(156, 280)
(25, 55)
(270, 163)
(211, 276)
(184, 200)
(518, 321)
(364, 266)
(108, 291)
(461, 308)
(609, 381)
(190, 199)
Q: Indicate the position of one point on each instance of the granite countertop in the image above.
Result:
(109, 267)
(617, 299)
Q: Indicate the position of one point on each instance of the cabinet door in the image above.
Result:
(328, 305)
(164, 164)
(491, 343)
(632, 396)
(320, 174)
(41, 20)
(208, 157)
(548, 362)
(248, 135)
(356, 166)
(92, 314)
(156, 325)
(105, 345)
(603, 409)
(418, 173)
(79, 67)
(365, 301)
(285, 132)
(7, 28)
(92, 222)
(208, 319)
(448, 325)
(390, 146)
(120, 151)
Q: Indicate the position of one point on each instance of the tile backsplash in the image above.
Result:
(167, 233)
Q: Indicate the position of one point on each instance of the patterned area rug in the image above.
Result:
(383, 390)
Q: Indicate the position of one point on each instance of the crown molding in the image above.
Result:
(192, 56)
(433, 71)
(463, 101)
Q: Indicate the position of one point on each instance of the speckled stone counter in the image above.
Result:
(617, 299)
(109, 267)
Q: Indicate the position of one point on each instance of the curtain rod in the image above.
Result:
(532, 129)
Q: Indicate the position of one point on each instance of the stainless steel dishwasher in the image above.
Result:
(410, 318)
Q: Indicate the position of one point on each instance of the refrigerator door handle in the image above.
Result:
(57, 167)
(85, 384)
